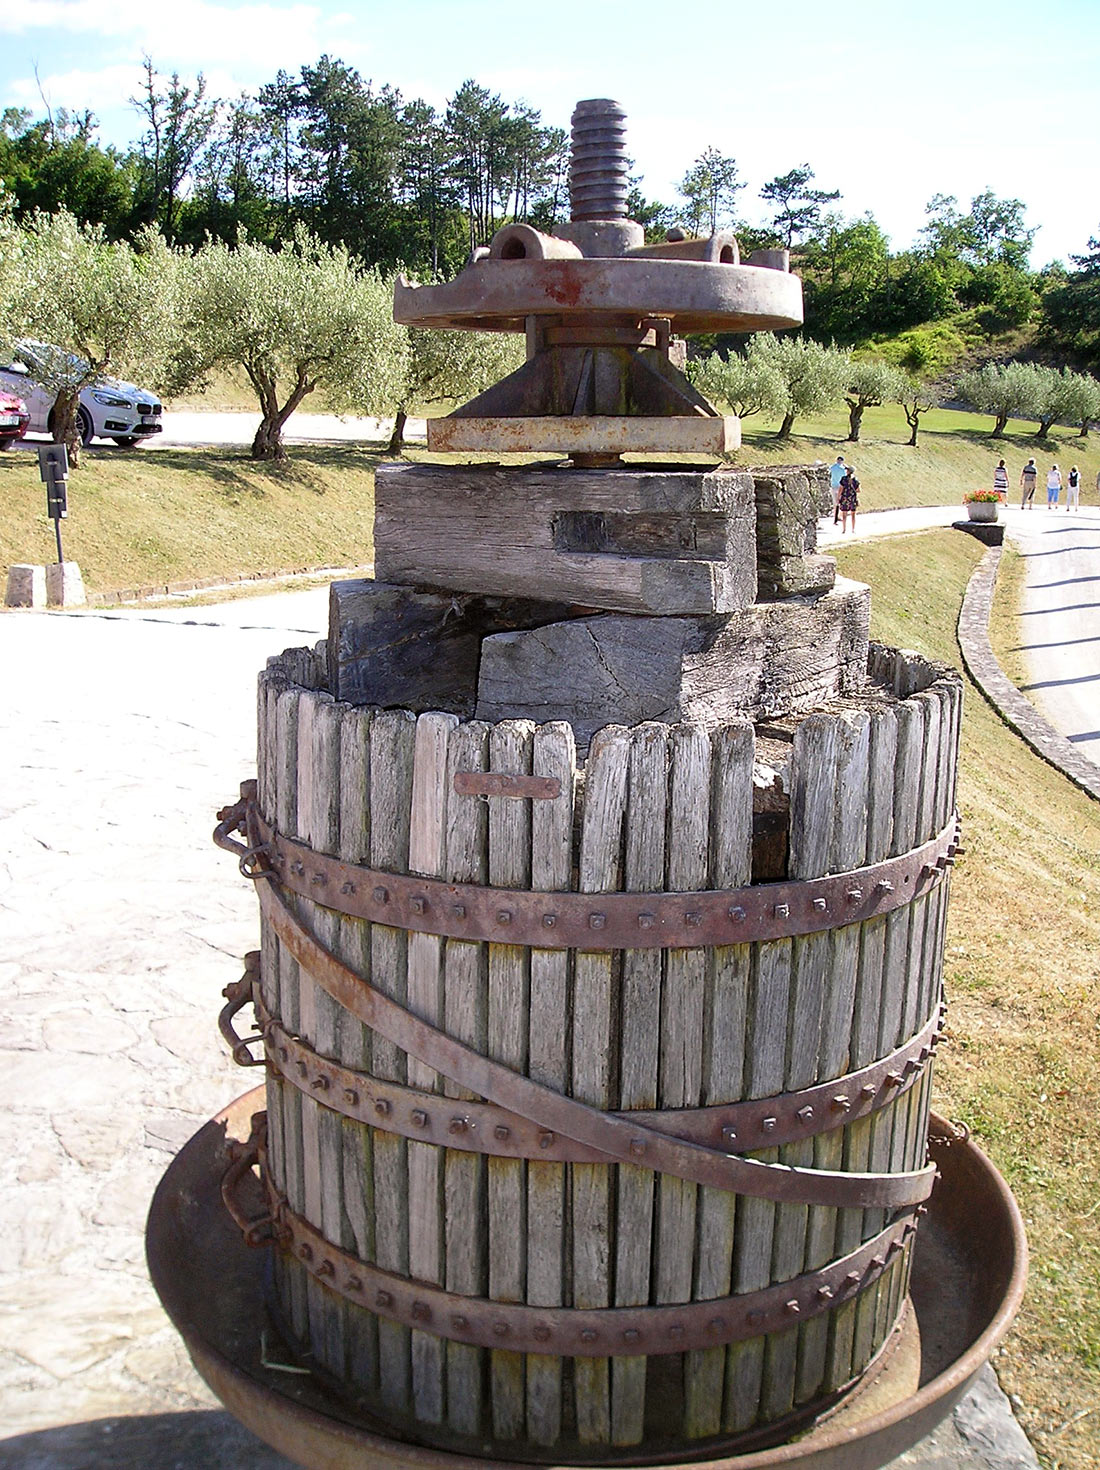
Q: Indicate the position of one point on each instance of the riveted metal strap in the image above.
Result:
(586, 921)
(486, 1129)
(622, 1138)
(579, 1332)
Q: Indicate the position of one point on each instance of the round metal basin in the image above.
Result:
(969, 1274)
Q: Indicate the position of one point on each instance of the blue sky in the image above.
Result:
(890, 103)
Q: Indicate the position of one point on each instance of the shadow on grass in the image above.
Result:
(309, 466)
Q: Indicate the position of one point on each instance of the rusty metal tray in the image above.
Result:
(969, 1276)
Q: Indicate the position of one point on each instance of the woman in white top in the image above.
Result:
(1000, 480)
(1054, 486)
(1073, 489)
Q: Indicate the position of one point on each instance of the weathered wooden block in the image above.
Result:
(418, 648)
(771, 659)
(789, 499)
(663, 541)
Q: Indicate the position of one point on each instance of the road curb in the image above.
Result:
(1018, 713)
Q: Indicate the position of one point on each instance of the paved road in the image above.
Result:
(120, 734)
(1060, 620)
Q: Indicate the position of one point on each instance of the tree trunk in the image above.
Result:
(913, 420)
(1045, 427)
(786, 426)
(65, 423)
(268, 443)
(1084, 434)
(397, 438)
(855, 418)
(999, 426)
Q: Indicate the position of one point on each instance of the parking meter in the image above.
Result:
(53, 466)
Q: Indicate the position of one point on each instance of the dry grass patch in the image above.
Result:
(1023, 1070)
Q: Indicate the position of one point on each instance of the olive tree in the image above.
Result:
(443, 365)
(296, 319)
(1065, 397)
(1007, 390)
(98, 306)
(745, 384)
(1083, 406)
(871, 383)
(814, 377)
(916, 398)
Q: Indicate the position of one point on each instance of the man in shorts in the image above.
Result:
(1028, 475)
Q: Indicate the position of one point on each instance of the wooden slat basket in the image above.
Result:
(374, 1156)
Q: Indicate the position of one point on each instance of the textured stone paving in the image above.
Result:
(120, 734)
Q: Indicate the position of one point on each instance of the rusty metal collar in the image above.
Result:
(620, 1137)
(483, 1128)
(565, 1331)
(585, 921)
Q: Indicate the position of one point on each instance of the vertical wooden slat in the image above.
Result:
(812, 782)
(509, 991)
(318, 816)
(849, 846)
(554, 754)
(683, 1003)
(644, 871)
(427, 835)
(465, 1000)
(856, 1320)
(393, 737)
(269, 686)
(353, 1040)
(888, 1125)
(599, 872)
(732, 754)
(796, 1358)
(286, 817)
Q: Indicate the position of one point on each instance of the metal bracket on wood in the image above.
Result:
(572, 1331)
(587, 922)
(483, 1128)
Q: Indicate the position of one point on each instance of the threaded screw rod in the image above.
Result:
(599, 167)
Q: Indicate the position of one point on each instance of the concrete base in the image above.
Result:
(65, 585)
(26, 586)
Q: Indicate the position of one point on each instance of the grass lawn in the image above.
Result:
(954, 453)
(162, 515)
(1023, 1067)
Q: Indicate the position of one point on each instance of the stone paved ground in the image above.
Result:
(120, 734)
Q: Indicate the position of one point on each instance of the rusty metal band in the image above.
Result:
(581, 1332)
(484, 1128)
(587, 921)
(622, 1139)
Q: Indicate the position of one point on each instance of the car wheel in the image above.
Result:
(128, 443)
(84, 424)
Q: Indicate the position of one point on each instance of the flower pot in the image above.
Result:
(982, 510)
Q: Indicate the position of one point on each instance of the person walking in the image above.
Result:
(836, 474)
(1000, 481)
(1073, 489)
(848, 499)
(1054, 487)
(1028, 475)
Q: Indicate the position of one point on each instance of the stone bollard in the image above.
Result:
(65, 585)
(26, 586)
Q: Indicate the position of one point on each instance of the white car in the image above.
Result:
(109, 408)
